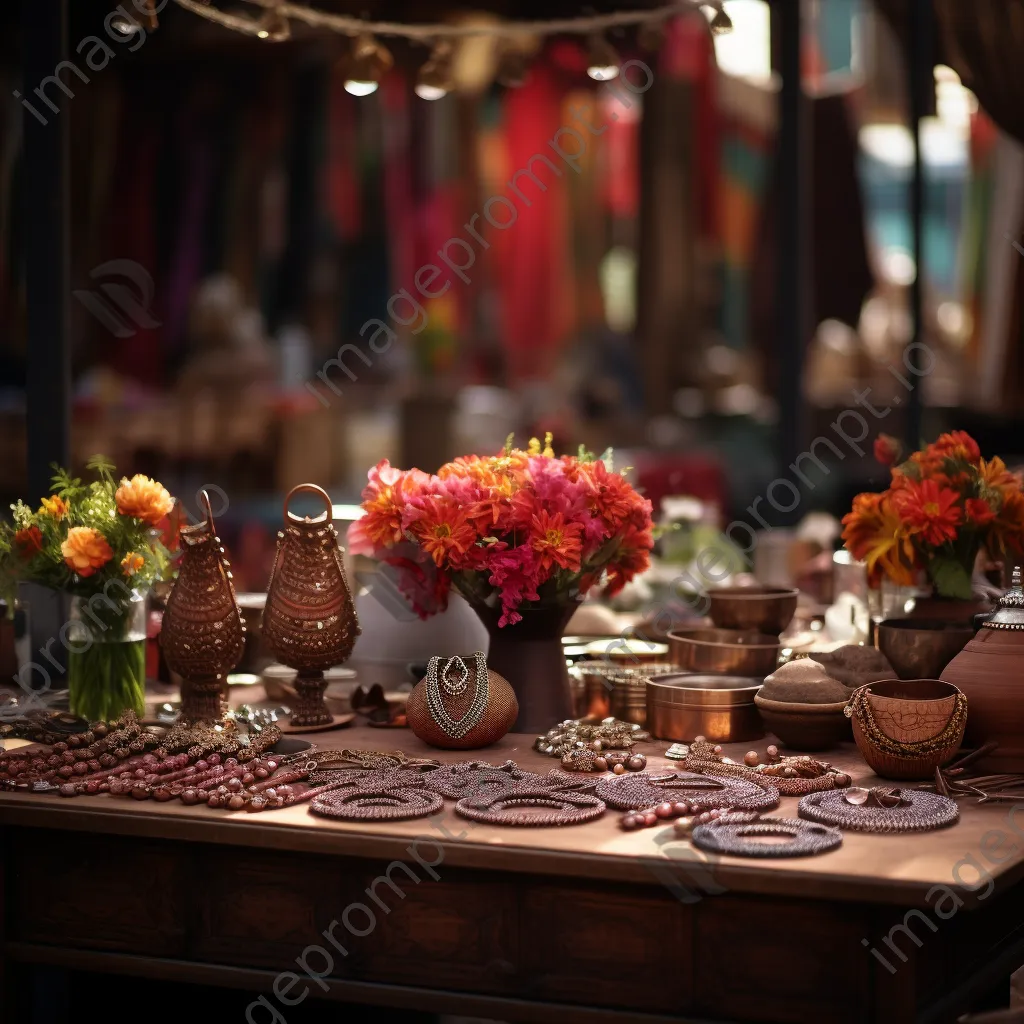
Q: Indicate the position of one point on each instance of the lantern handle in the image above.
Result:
(328, 514)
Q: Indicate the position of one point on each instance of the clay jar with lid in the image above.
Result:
(990, 671)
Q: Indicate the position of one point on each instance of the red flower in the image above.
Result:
(556, 542)
(29, 542)
(887, 450)
(979, 511)
(929, 512)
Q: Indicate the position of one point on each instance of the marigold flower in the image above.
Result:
(86, 550)
(29, 542)
(132, 563)
(54, 506)
(143, 498)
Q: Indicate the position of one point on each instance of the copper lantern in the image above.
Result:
(310, 621)
(202, 635)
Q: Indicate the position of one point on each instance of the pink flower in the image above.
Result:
(516, 575)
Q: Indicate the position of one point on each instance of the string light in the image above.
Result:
(274, 26)
(428, 33)
(435, 77)
(602, 60)
(370, 62)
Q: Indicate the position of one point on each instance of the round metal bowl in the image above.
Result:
(763, 609)
(725, 652)
(683, 705)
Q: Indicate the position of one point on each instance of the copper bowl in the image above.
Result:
(805, 727)
(683, 705)
(921, 648)
(762, 609)
(732, 652)
(909, 711)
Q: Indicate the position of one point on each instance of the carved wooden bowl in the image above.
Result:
(909, 711)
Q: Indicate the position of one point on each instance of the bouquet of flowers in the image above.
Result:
(944, 505)
(518, 528)
(97, 541)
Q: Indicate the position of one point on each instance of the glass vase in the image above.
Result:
(106, 643)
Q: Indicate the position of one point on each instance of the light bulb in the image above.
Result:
(435, 77)
(358, 88)
(369, 63)
(124, 26)
(602, 60)
(273, 26)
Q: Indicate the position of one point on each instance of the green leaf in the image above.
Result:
(950, 577)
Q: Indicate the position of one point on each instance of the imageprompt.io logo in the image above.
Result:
(123, 308)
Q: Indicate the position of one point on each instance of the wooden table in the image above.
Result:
(583, 923)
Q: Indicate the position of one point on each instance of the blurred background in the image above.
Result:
(728, 265)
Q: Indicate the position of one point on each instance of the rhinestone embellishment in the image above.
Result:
(454, 677)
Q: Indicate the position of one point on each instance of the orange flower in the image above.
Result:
(996, 477)
(556, 542)
(929, 512)
(874, 534)
(143, 499)
(29, 542)
(443, 531)
(979, 511)
(86, 550)
(132, 563)
(54, 506)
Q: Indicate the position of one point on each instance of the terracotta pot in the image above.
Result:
(921, 648)
(529, 655)
(990, 671)
(908, 711)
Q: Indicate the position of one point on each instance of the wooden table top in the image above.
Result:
(897, 869)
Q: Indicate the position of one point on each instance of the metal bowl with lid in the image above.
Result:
(682, 705)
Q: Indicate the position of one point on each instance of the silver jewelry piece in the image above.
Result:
(455, 679)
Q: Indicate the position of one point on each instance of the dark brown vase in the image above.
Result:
(990, 671)
(949, 610)
(202, 635)
(529, 655)
(309, 622)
